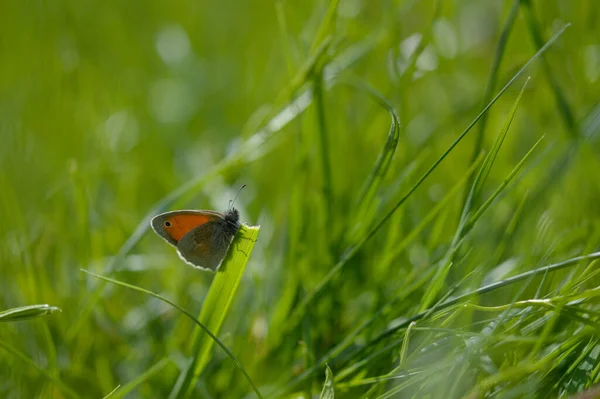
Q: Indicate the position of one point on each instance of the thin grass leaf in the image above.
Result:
(216, 306)
(323, 143)
(502, 186)
(440, 277)
(381, 166)
(290, 50)
(400, 247)
(110, 394)
(122, 391)
(327, 26)
(328, 391)
(561, 99)
(27, 312)
(493, 77)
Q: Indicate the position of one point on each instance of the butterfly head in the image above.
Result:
(232, 217)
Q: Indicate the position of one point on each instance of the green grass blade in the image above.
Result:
(122, 391)
(401, 246)
(561, 99)
(327, 27)
(502, 186)
(440, 277)
(382, 164)
(217, 303)
(492, 80)
(328, 391)
(27, 312)
(111, 393)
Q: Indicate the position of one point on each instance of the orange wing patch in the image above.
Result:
(181, 224)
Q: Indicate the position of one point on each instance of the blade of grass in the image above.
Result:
(492, 80)
(438, 280)
(327, 26)
(328, 391)
(323, 144)
(399, 248)
(382, 164)
(110, 394)
(27, 312)
(561, 99)
(501, 187)
(216, 306)
(123, 390)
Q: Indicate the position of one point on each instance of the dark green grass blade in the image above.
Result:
(189, 316)
(27, 312)
(342, 262)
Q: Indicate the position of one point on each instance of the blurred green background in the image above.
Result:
(107, 107)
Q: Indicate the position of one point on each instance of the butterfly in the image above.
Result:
(202, 238)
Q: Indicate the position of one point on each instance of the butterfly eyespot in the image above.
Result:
(167, 224)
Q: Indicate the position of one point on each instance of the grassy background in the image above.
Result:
(113, 111)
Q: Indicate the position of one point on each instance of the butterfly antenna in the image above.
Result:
(236, 197)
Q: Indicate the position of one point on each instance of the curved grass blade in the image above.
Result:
(216, 306)
(27, 312)
(382, 164)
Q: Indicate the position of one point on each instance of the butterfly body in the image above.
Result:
(202, 238)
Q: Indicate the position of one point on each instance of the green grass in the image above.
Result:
(424, 175)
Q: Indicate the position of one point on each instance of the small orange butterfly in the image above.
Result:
(202, 238)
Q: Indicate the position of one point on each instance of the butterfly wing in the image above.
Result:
(173, 226)
(205, 246)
